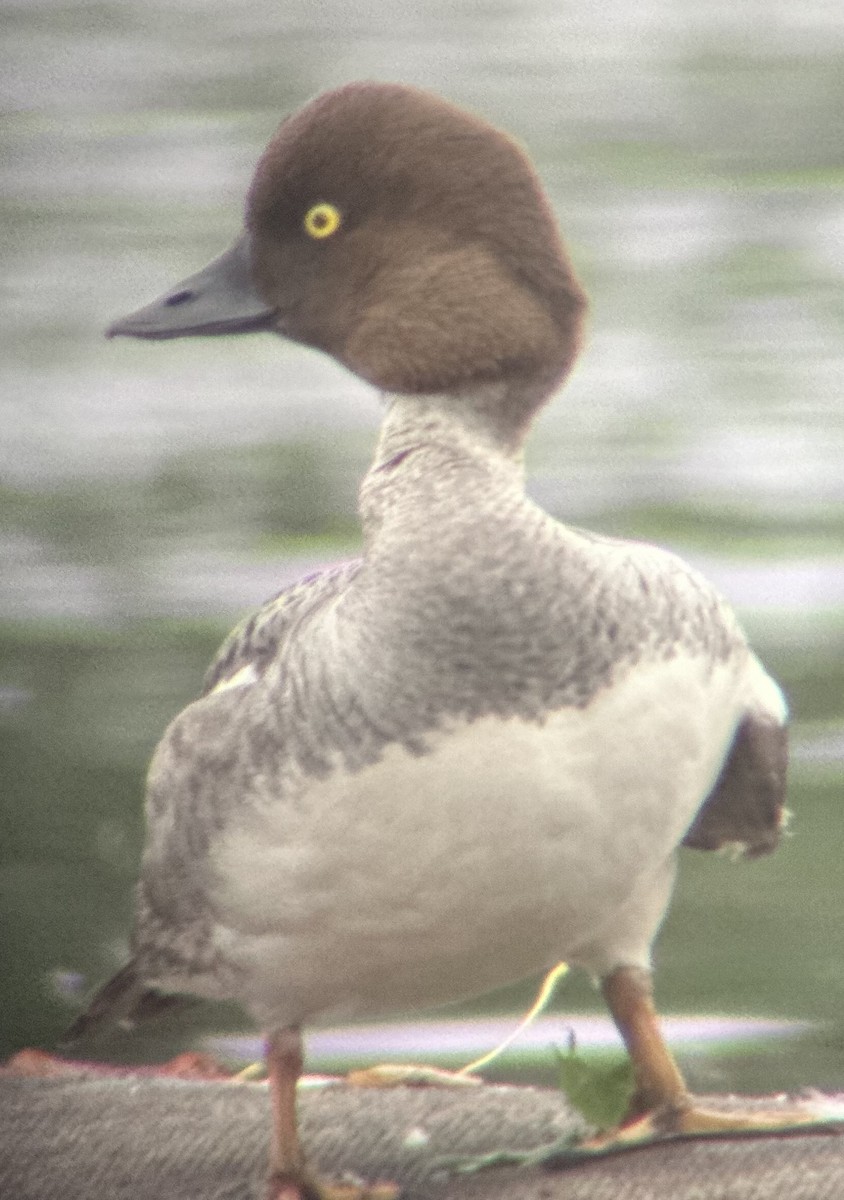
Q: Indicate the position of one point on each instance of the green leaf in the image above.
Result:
(599, 1090)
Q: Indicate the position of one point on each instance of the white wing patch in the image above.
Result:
(242, 678)
(764, 693)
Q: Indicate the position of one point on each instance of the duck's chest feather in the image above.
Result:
(505, 845)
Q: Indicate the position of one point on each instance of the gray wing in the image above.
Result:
(256, 640)
(746, 807)
(251, 646)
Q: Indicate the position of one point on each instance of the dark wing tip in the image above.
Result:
(114, 1000)
(746, 807)
(125, 1000)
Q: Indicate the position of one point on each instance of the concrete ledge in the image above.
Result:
(145, 1138)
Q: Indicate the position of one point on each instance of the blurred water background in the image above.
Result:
(149, 494)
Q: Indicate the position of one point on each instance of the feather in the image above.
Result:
(125, 1000)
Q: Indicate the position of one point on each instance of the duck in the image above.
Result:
(477, 749)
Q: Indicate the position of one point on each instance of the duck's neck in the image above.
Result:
(477, 422)
(439, 462)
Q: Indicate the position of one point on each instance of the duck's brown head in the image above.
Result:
(405, 237)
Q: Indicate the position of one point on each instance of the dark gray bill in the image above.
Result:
(219, 299)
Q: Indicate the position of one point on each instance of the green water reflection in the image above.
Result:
(150, 494)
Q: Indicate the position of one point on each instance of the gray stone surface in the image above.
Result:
(84, 1137)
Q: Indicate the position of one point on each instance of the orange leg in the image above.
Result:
(661, 1105)
(289, 1177)
(629, 997)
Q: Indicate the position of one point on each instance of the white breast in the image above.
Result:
(425, 879)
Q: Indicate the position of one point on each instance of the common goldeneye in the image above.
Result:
(475, 751)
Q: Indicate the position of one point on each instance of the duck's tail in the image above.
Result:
(125, 1000)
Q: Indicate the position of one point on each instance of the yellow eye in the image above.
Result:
(321, 220)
